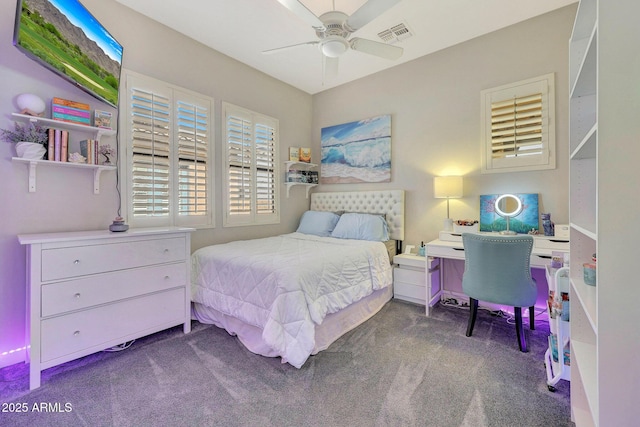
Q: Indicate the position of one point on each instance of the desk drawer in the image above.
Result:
(445, 252)
(62, 297)
(551, 243)
(82, 330)
(62, 263)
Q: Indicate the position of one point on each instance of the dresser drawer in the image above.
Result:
(409, 292)
(77, 294)
(75, 332)
(75, 261)
(407, 275)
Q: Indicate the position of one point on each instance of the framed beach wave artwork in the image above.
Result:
(357, 151)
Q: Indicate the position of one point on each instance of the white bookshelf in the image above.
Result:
(604, 73)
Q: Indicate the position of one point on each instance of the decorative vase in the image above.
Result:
(30, 150)
(547, 224)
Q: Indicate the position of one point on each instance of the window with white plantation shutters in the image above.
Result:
(251, 152)
(518, 126)
(168, 159)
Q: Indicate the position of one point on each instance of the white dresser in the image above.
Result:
(91, 290)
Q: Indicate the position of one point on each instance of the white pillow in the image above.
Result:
(361, 227)
(318, 223)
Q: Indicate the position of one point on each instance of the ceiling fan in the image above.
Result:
(334, 29)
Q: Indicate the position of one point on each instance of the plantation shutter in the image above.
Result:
(151, 163)
(168, 173)
(265, 170)
(239, 158)
(518, 127)
(193, 166)
(251, 155)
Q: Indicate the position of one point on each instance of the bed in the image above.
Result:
(291, 296)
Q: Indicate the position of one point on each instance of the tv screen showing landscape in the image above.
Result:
(63, 36)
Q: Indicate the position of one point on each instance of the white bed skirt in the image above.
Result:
(333, 326)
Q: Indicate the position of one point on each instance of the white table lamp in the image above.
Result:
(447, 187)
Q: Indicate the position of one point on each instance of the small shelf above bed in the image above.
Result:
(290, 181)
(291, 184)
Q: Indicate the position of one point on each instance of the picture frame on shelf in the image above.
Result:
(102, 119)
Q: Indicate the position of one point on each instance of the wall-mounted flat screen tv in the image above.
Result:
(63, 36)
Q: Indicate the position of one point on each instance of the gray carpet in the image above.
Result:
(398, 369)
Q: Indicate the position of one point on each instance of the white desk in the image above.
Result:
(449, 246)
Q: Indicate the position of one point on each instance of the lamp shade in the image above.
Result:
(447, 187)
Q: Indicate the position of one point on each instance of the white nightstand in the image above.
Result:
(409, 281)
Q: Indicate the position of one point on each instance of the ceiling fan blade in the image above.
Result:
(368, 12)
(303, 13)
(376, 48)
(329, 67)
(279, 49)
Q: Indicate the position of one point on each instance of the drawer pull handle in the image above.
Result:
(77, 296)
(76, 261)
(166, 277)
(166, 251)
(76, 333)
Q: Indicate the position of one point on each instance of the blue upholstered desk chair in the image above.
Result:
(497, 270)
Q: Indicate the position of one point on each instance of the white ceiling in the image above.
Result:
(242, 29)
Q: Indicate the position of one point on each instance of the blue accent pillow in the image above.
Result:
(318, 223)
(362, 227)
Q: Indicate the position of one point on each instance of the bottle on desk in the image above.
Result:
(421, 249)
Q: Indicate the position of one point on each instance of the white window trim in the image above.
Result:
(126, 155)
(252, 218)
(547, 160)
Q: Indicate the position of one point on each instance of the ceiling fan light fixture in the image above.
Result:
(334, 47)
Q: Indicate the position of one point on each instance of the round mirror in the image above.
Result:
(508, 206)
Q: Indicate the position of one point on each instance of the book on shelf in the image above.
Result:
(58, 145)
(67, 103)
(64, 145)
(302, 176)
(566, 352)
(102, 119)
(558, 305)
(305, 155)
(294, 154)
(294, 175)
(51, 144)
(89, 149)
(70, 111)
(312, 177)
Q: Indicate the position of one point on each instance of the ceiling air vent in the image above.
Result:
(396, 33)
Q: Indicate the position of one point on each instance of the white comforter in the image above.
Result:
(286, 284)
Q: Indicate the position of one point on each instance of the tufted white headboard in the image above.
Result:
(388, 202)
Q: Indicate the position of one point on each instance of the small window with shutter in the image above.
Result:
(167, 158)
(251, 155)
(518, 126)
